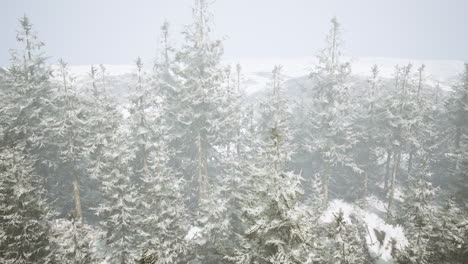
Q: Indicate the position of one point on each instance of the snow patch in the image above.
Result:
(380, 250)
(193, 233)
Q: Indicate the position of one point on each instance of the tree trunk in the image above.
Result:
(396, 166)
(77, 198)
(410, 163)
(202, 170)
(387, 170)
(325, 181)
(365, 185)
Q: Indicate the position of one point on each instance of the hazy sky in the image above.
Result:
(117, 31)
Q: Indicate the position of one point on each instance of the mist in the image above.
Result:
(233, 132)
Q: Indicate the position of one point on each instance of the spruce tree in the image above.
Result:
(162, 206)
(25, 151)
(276, 229)
(329, 118)
(24, 212)
(418, 218)
(199, 116)
(120, 207)
(344, 243)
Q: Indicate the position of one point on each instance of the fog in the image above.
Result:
(233, 132)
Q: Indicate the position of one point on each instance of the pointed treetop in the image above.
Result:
(25, 23)
(375, 70)
(139, 64)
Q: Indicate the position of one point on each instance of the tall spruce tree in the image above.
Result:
(120, 207)
(25, 153)
(199, 115)
(329, 117)
(276, 228)
(162, 206)
(418, 218)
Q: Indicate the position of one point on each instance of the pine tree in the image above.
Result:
(70, 133)
(71, 138)
(25, 154)
(163, 210)
(101, 123)
(396, 118)
(457, 132)
(120, 208)
(276, 227)
(329, 119)
(76, 242)
(24, 213)
(448, 241)
(418, 218)
(199, 116)
(367, 130)
(344, 244)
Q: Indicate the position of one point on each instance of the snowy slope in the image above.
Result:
(256, 71)
(372, 217)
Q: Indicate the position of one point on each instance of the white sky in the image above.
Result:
(117, 31)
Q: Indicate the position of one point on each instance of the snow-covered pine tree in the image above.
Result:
(163, 211)
(70, 133)
(418, 218)
(457, 133)
(330, 118)
(276, 227)
(167, 87)
(120, 207)
(30, 103)
(199, 116)
(140, 123)
(448, 242)
(395, 118)
(71, 139)
(344, 244)
(367, 130)
(235, 161)
(101, 123)
(26, 111)
(76, 243)
(24, 212)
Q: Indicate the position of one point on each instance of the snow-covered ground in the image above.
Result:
(371, 216)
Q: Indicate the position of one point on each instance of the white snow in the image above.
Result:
(194, 232)
(372, 221)
(256, 71)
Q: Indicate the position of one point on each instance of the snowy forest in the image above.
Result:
(176, 163)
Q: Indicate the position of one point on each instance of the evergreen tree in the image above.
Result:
(199, 117)
(344, 244)
(163, 209)
(120, 208)
(76, 242)
(276, 227)
(448, 242)
(24, 213)
(418, 219)
(70, 127)
(25, 153)
(368, 131)
(457, 132)
(71, 138)
(397, 122)
(329, 116)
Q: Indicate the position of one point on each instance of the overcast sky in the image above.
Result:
(117, 31)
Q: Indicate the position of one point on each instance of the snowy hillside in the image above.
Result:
(257, 71)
